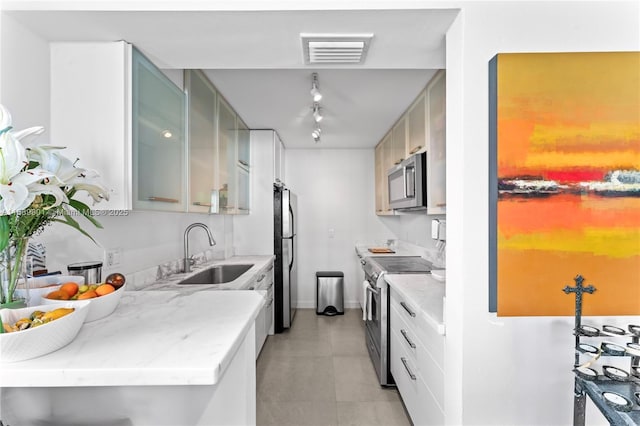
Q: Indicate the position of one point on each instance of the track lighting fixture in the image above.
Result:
(317, 115)
(315, 92)
(316, 133)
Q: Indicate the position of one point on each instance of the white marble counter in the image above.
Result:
(425, 292)
(243, 282)
(152, 338)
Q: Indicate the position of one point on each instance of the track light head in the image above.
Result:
(317, 115)
(315, 92)
(316, 133)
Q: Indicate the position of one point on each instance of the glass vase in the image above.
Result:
(13, 274)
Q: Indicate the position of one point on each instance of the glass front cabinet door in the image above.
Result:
(226, 161)
(202, 98)
(158, 130)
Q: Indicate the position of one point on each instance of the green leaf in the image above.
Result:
(4, 232)
(84, 211)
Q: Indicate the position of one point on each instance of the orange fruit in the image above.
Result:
(58, 295)
(70, 288)
(105, 289)
(90, 294)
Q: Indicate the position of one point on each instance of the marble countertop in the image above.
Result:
(425, 292)
(152, 338)
(243, 282)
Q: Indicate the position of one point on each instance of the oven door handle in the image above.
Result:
(372, 290)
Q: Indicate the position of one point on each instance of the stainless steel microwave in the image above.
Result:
(408, 183)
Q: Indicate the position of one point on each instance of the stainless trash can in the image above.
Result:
(329, 293)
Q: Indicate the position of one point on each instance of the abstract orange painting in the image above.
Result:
(564, 182)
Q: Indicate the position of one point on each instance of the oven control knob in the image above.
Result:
(363, 262)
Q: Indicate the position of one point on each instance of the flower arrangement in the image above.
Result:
(37, 186)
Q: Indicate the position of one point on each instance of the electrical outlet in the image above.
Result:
(112, 257)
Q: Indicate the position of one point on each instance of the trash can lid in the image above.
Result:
(329, 274)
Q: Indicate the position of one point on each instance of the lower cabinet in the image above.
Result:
(416, 363)
(264, 320)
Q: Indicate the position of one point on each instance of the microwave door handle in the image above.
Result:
(406, 171)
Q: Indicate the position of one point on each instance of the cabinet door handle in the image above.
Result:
(261, 277)
(163, 199)
(416, 149)
(406, 367)
(406, 308)
(244, 163)
(404, 334)
(198, 203)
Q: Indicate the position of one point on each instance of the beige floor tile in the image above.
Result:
(356, 380)
(378, 413)
(301, 413)
(302, 372)
(295, 379)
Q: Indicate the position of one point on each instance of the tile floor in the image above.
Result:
(319, 373)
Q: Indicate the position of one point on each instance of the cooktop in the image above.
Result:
(401, 264)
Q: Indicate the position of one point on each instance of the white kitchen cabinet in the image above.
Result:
(91, 114)
(417, 362)
(264, 322)
(278, 159)
(202, 104)
(159, 138)
(226, 158)
(120, 115)
(243, 180)
(253, 233)
(437, 141)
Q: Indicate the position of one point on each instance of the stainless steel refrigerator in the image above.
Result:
(285, 280)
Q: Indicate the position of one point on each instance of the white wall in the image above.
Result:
(24, 75)
(514, 370)
(335, 190)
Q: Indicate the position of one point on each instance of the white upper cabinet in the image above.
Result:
(91, 115)
(202, 99)
(121, 116)
(158, 130)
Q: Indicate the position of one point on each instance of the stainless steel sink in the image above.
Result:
(219, 274)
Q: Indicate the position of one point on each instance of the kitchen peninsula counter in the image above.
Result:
(152, 350)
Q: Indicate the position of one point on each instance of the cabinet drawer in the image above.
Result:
(428, 369)
(420, 401)
(432, 341)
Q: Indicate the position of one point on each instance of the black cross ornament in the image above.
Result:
(579, 290)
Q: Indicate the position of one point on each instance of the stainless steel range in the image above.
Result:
(377, 328)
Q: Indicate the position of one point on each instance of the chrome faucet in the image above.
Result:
(188, 260)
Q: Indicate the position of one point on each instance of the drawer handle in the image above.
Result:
(252, 288)
(406, 367)
(270, 302)
(406, 308)
(404, 334)
(261, 277)
(270, 285)
(270, 267)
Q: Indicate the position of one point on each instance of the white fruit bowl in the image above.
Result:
(41, 340)
(99, 307)
(40, 286)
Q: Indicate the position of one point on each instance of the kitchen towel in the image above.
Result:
(366, 301)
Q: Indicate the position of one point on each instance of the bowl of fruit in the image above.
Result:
(38, 287)
(38, 330)
(103, 297)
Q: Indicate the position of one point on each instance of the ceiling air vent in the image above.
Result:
(335, 48)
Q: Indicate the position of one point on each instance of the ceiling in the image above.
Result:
(255, 60)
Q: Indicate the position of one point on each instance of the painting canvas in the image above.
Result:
(564, 182)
